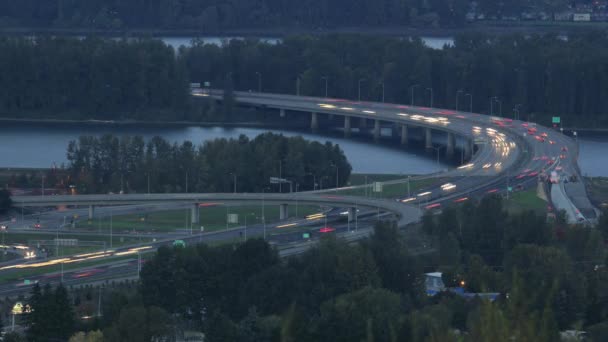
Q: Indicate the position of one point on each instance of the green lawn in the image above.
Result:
(395, 190)
(212, 218)
(526, 200)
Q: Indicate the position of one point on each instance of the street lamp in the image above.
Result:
(458, 97)
(326, 80)
(264, 209)
(259, 81)
(337, 183)
(492, 99)
(360, 80)
(382, 84)
(516, 110)
(412, 90)
(298, 85)
(470, 102)
(234, 175)
(431, 90)
(314, 180)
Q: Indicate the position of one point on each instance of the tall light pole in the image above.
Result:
(264, 210)
(326, 82)
(431, 90)
(234, 175)
(499, 107)
(492, 99)
(382, 84)
(470, 102)
(337, 183)
(298, 85)
(259, 81)
(360, 80)
(412, 90)
(458, 97)
(516, 110)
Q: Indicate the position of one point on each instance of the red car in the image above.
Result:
(326, 230)
(533, 174)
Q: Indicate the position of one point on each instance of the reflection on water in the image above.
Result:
(39, 145)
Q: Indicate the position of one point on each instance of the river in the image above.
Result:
(176, 42)
(41, 145)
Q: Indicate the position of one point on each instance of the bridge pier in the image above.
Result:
(283, 211)
(451, 143)
(428, 141)
(376, 130)
(91, 212)
(347, 127)
(468, 147)
(195, 214)
(282, 112)
(404, 137)
(314, 122)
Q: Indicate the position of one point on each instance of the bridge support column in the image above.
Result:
(347, 126)
(282, 113)
(314, 122)
(467, 149)
(352, 212)
(451, 143)
(91, 212)
(376, 130)
(195, 214)
(428, 141)
(283, 211)
(404, 137)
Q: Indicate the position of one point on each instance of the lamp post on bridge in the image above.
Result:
(326, 82)
(470, 102)
(360, 80)
(412, 90)
(458, 97)
(259, 81)
(431, 90)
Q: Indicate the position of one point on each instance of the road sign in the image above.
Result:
(306, 236)
(510, 188)
(202, 229)
(233, 218)
(179, 243)
(377, 186)
(207, 84)
(556, 120)
(277, 180)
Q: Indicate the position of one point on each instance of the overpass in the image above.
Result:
(498, 153)
(403, 213)
(501, 154)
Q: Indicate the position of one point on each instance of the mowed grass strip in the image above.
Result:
(212, 218)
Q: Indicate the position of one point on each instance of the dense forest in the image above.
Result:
(210, 15)
(540, 76)
(551, 277)
(73, 78)
(129, 164)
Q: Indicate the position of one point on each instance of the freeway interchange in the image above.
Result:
(503, 155)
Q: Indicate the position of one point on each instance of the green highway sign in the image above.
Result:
(556, 120)
(306, 236)
(510, 188)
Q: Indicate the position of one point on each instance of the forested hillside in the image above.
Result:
(541, 76)
(243, 14)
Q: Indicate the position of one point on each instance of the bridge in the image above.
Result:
(498, 154)
(404, 214)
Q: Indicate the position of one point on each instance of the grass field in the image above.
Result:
(526, 200)
(393, 190)
(211, 218)
(597, 188)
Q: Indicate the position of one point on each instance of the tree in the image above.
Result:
(138, 323)
(5, 201)
(372, 314)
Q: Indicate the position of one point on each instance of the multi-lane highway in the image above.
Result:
(508, 155)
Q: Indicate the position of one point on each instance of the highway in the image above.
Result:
(510, 154)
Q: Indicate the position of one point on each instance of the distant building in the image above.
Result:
(434, 285)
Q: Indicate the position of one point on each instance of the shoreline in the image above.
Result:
(253, 124)
(502, 27)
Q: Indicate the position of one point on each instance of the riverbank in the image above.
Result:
(150, 123)
(489, 27)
